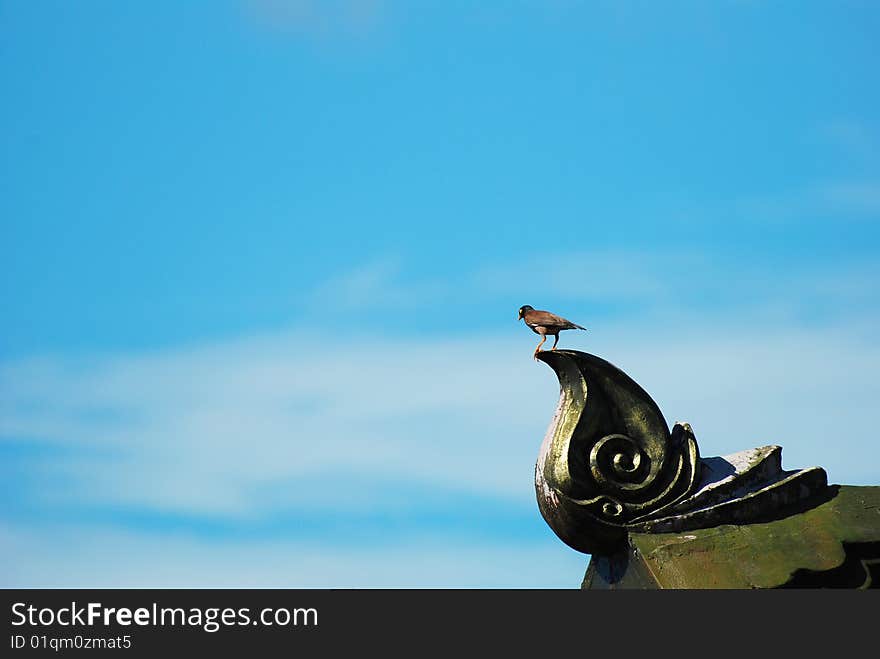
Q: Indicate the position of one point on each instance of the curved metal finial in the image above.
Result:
(609, 465)
(608, 457)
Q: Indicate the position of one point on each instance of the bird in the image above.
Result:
(544, 323)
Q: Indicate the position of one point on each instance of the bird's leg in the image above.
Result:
(555, 342)
(538, 349)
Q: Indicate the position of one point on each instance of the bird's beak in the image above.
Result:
(519, 316)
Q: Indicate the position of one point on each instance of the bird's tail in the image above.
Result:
(579, 327)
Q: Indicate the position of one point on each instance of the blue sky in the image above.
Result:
(262, 261)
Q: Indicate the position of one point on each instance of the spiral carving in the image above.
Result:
(608, 457)
(619, 464)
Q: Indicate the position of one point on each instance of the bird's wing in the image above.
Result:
(547, 319)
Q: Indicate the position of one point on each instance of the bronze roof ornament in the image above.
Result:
(609, 466)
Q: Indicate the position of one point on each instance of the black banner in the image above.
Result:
(329, 622)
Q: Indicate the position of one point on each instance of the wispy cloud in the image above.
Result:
(110, 558)
(378, 284)
(858, 197)
(319, 18)
(198, 429)
(853, 137)
(830, 202)
(235, 442)
(598, 274)
(266, 443)
(202, 430)
(651, 285)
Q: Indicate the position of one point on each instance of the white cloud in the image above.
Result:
(319, 18)
(66, 559)
(243, 430)
(853, 137)
(598, 274)
(201, 430)
(378, 284)
(835, 201)
(196, 430)
(853, 196)
(655, 286)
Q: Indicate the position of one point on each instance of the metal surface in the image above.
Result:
(609, 466)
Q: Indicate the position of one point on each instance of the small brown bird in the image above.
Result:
(544, 323)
